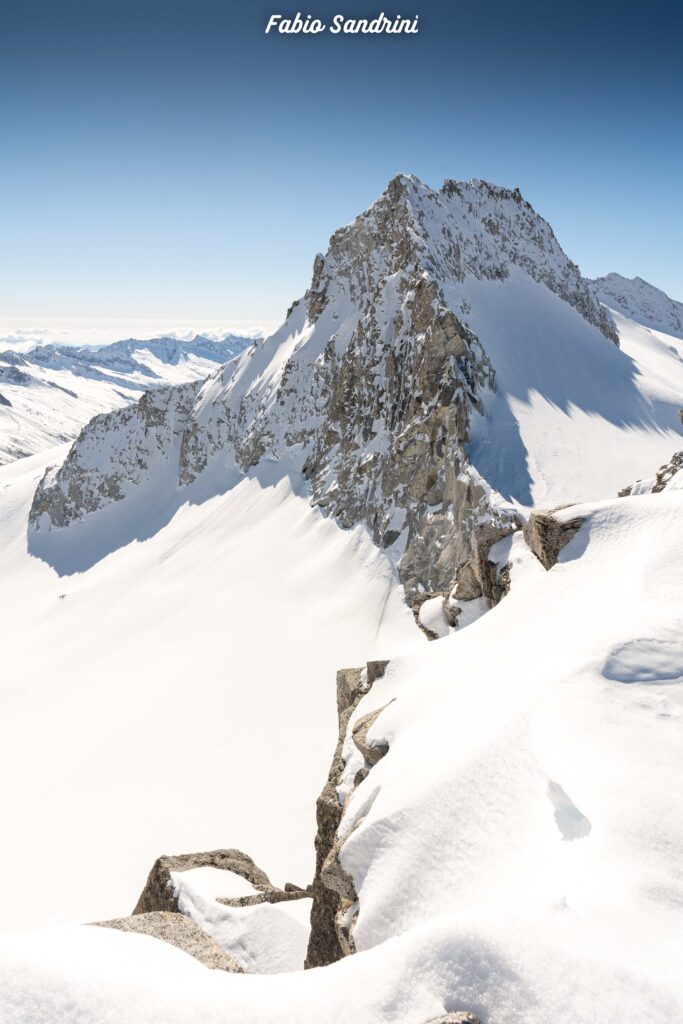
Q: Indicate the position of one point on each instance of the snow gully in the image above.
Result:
(341, 24)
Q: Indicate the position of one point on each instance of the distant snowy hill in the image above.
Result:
(642, 302)
(49, 392)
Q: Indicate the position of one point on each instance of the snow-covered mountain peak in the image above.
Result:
(399, 387)
(641, 301)
(464, 230)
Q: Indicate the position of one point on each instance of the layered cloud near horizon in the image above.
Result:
(24, 333)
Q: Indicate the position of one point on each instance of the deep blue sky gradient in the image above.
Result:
(170, 159)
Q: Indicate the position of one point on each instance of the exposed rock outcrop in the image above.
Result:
(334, 897)
(271, 895)
(179, 931)
(664, 476)
(372, 752)
(421, 600)
(546, 535)
(158, 893)
(457, 1017)
(97, 472)
(478, 577)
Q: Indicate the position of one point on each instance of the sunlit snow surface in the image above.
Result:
(518, 849)
(179, 695)
(573, 418)
(268, 938)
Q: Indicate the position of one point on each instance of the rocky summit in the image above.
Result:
(369, 388)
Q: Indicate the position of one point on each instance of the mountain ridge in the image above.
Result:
(642, 301)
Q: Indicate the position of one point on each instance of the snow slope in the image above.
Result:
(571, 419)
(49, 392)
(177, 696)
(516, 852)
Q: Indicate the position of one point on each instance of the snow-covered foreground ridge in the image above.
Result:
(515, 844)
(445, 337)
(48, 392)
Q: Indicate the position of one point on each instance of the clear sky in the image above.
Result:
(168, 159)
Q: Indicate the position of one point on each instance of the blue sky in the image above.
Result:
(170, 159)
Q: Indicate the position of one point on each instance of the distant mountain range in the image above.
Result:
(49, 392)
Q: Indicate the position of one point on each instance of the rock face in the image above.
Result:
(335, 903)
(179, 931)
(97, 473)
(477, 577)
(546, 535)
(158, 894)
(368, 388)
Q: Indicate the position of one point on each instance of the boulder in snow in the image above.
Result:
(546, 535)
(179, 931)
(158, 893)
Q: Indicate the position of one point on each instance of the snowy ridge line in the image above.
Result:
(127, 355)
(641, 301)
(359, 853)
